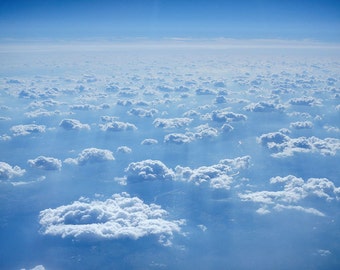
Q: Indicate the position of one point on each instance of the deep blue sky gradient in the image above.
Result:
(314, 19)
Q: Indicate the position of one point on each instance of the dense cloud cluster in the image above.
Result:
(294, 190)
(283, 146)
(120, 216)
(45, 163)
(91, 155)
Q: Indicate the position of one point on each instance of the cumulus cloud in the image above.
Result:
(149, 170)
(219, 176)
(149, 142)
(23, 130)
(301, 125)
(45, 163)
(202, 92)
(91, 155)
(120, 216)
(263, 106)
(284, 146)
(38, 267)
(73, 124)
(179, 138)
(305, 101)
(294, 191)
(124, 149)
(115, 126)
(200, 132)
(7, 171)
(172, 122)
(205, 131)
(41, 113)
(142, 112)
(225, 115)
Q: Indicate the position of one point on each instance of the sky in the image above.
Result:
(169, 135)
(314, 19)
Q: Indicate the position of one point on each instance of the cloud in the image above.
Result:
(225, 115)
(294, 190)
(219, 176)
(179, 138)
(263, 106)
(38, 267)
(285, 146)
(7, 171)
(91, 155)
(305, 101)
(149, 170)
(120, 216)
(172, 122)
(117, 126)
(23, 130)
(201, 132)
(149, 142)
(73, 124)
(41, 113)
(301, 125)
(202, 92)
(45, 163)
(124, 149)
(205, 131)
(142, 112)
(82, 107)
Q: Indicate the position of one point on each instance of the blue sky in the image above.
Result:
(317, 20)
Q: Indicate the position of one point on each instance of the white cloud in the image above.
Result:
(7, 171)
(201, 92)
(38, 267)
(115, 126)
(73, 124)
(45, 163)
(172, 122)
(23, 130)
(285, 146)
(294, 191)
(124, 149)
(149, 142)
(120, 216)
(179, 138)
(219, 176)
(205, 131)
(91, 155)
(302, 125)
(149, 170)
(264, 106)
(142, 112)
(82, 107)
(41, 113)
(305, 101)
(201, 132)
(225, 115)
